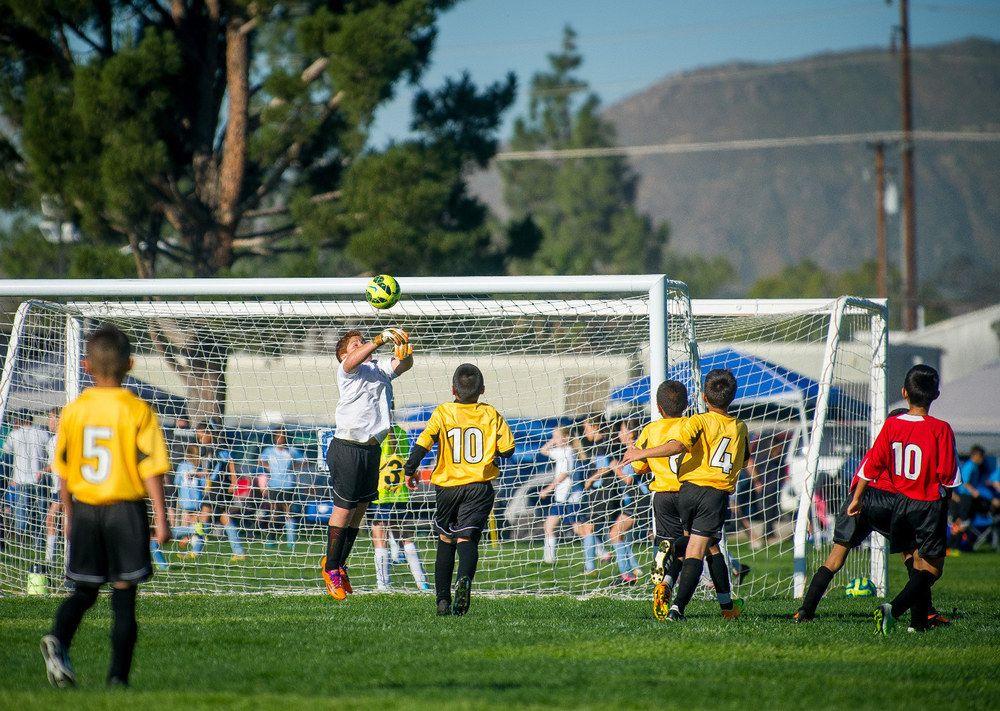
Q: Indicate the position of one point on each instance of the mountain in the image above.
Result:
(767, 208)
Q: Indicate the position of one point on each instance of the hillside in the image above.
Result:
(767, 208)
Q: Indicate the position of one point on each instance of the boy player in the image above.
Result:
(471, 437)
(720, 443)
(110, 454)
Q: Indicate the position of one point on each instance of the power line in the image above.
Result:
(751, 144)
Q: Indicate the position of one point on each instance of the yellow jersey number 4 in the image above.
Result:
(721, 457)
(466, 445)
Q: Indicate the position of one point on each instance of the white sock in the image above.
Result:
(549, 550)
(393, 547)
(382, 568)
(600, 551)
(50, 547)
(416, 569)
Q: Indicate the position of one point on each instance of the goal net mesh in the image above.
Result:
(263, 375)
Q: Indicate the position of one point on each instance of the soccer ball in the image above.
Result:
(860, 587)
(383, 291)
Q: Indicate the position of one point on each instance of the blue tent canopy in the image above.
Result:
(758, 381)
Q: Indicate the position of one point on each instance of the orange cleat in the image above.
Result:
(346, 581)
(661, 601)
(334, 581)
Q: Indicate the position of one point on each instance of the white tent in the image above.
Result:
(972, 405)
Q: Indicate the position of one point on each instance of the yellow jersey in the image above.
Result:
(666, 470)
(109, 441)
(469, 438)
(721, 445)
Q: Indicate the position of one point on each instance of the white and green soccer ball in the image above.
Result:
(383, 291)
(860, 587)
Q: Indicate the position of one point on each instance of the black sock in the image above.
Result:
(350, 535)
(71, 612)
(124, 631)
(680, 547)
(334, 546)
(720, 578)
(912, 593)
(690, 574)
(444, 567)
(673, 569)
(468, 558)
(817, 589)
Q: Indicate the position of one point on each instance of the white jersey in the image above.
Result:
(27, 447)
(564, 459)
(365, 393)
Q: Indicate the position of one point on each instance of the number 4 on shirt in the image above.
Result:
(721, 457)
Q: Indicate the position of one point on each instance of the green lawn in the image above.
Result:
(392, 652)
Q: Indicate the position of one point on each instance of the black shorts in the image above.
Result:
(666, 516)
(703, 509)
(909, 524)
(877, 507)
(109, 543)
(353, 472)
(463, 509)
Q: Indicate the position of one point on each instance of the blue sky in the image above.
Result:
(629, 44)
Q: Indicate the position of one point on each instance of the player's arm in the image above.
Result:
(156, 462)
(360, 354)
(154, 489)
(854, 508)
(421, 447)
(505, 444)
(59, 467)
(403, 358)
(662, 451)
(947, 465)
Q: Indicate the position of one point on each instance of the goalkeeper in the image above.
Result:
(363, 422)
(389, 514)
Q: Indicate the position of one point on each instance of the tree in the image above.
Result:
(213, 137)
(584, 209)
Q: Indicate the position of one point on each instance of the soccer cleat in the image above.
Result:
(424, 587)
(334, 583)
(444, 608)
(936, 619)
(57, 664)
(463, 595)
(802, 616)
(884, 623)
(661, 601)
(346, 580)
(735, 611)
(659, 571)
(675, 615)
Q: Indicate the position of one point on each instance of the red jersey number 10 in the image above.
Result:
(908, 460)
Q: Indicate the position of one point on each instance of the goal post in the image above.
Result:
(582, 354)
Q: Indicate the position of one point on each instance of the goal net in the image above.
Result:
(245, 385)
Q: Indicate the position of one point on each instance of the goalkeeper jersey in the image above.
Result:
(392, 487)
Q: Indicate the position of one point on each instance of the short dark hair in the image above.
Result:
(898, 411)
(977, 449)
(342, 342)
(108, 352)
(672, 398)
(720, 388)
(467, 382)
(922, 384)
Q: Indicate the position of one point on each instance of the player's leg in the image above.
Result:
(379, 534)
(550, 527)
(690, 574)
(404, 533)
(624, 555)
(232, 534)
(446, 503)
(198, 539)
(926, 523)
(705, 510)
(354, 475)
(473, 514)
(719, 572)
(124, 633)
(585, 530)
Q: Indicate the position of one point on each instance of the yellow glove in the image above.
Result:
(396, 335)
(403, 351)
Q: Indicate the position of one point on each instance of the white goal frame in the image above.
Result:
(667, 299)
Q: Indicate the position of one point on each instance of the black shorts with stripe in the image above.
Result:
(109, 543)
(464, 509)
(353, 472)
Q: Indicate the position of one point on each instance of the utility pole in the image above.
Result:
(882, 278)
(909, 212)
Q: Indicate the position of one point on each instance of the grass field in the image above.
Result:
(392, 652)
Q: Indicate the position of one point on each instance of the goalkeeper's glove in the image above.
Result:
(403, 351)
(396, 335)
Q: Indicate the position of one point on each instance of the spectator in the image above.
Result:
(279, 461)
(979, 492)
(633, 501)
(55, 505)
(560, 450)
(594, 453)
(27, 446)
(222, 483)
(190, 482)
